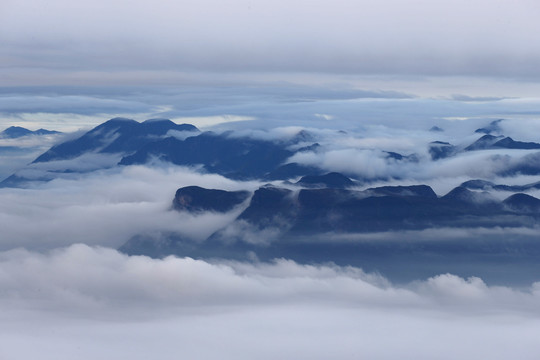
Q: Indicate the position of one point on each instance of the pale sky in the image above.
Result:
(67, 65)
(102, 42)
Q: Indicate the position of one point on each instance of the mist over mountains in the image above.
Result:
(278, 180)
(287, 153)
(300, 192)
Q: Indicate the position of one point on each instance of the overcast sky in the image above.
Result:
(67, 65)
(119, 41)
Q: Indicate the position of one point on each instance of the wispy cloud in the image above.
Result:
(106, 207)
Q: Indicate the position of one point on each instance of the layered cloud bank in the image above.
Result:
(106, 207)
(345, 37)
(103, 282)
(108, 304)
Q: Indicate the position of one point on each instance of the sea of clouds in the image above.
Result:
(67, 291)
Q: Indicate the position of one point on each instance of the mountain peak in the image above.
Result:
(14, 132)
(485, 142)
(523, 203)
(509, 143)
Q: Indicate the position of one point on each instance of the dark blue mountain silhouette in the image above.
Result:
(302, 220)
(114, 136)
(198, 199)
(14, 132)
(440, 150)
(523, 203)
(234, 157)
(412, 190)
(500, 142)
(269, 204)
(485, 142)
(509, 143)
(376, 209)
(238, 157)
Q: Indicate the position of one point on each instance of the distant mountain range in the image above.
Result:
(501, 142)
(277, 217)
(305, 205)
(14, 132)
(231, 154)
(238, 157)
(441, 150)
(114, 136)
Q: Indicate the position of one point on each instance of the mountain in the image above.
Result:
(14, 132)
(234, 157)
(198, 199)
(118, 135)
(509, 143)
(483, 143)
(473, 201)
(376, 209)
(501, 142)
(478, 184)
(412, 190)
(121, 141)
(493, 127)
(440, 150)
(523, 203)
(279, 220)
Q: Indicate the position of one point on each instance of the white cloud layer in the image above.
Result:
(89, 303)
(107, 207)
(16, 153)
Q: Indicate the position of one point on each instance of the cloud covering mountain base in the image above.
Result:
(463, 289)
